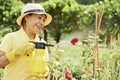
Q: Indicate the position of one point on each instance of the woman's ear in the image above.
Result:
(26, 17)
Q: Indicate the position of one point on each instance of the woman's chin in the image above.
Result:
(37, 31)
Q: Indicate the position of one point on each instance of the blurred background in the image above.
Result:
(74, 18)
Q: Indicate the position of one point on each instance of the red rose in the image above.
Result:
(68, 76)
(74, 41)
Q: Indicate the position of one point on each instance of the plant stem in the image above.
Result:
(95, 50)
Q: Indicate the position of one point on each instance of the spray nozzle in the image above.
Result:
(41, 45)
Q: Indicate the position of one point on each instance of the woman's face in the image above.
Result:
(34, 23)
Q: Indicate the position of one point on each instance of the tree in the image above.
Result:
(111, 21)
(111, 18)
(65, 16)
(87, 2)
(35, 1)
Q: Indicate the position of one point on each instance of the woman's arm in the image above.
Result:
(3, 60)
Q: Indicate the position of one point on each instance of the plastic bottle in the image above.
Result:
(39, 61)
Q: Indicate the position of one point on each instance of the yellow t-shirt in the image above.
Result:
(21, 68)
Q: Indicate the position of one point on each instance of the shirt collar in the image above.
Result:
(24, 35)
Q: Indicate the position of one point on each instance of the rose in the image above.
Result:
(74, 41)
(68, 76)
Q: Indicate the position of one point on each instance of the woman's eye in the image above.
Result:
(39, 17)
(44, 20)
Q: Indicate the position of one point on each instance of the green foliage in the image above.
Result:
(30, 1)
(65, 16)
(72, 57)
(9, 12)
(87, 2)
(111, 17)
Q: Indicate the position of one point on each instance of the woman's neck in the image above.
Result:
(29, 34)
(31, 37)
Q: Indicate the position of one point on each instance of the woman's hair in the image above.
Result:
(23, 23)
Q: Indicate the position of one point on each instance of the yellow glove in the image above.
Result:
(37, 76)
(27, 48)
(41, 75)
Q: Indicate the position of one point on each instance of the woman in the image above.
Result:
(16, 49)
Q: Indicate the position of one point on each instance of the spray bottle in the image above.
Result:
(39, 64)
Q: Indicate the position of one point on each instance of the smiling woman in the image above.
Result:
(34, 23)
(16, 48)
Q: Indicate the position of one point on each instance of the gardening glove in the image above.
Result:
(26, 49)
(36, 76)
(41, 75)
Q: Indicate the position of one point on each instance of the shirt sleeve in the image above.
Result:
(6, 43)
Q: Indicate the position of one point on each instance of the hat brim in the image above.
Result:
(47, 20)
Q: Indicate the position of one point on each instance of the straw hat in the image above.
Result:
(33, 8)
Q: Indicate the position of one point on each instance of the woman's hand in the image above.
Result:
(26, 49)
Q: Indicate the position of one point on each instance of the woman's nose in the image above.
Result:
(42, 22)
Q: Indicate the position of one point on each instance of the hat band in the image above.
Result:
(35, 10)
